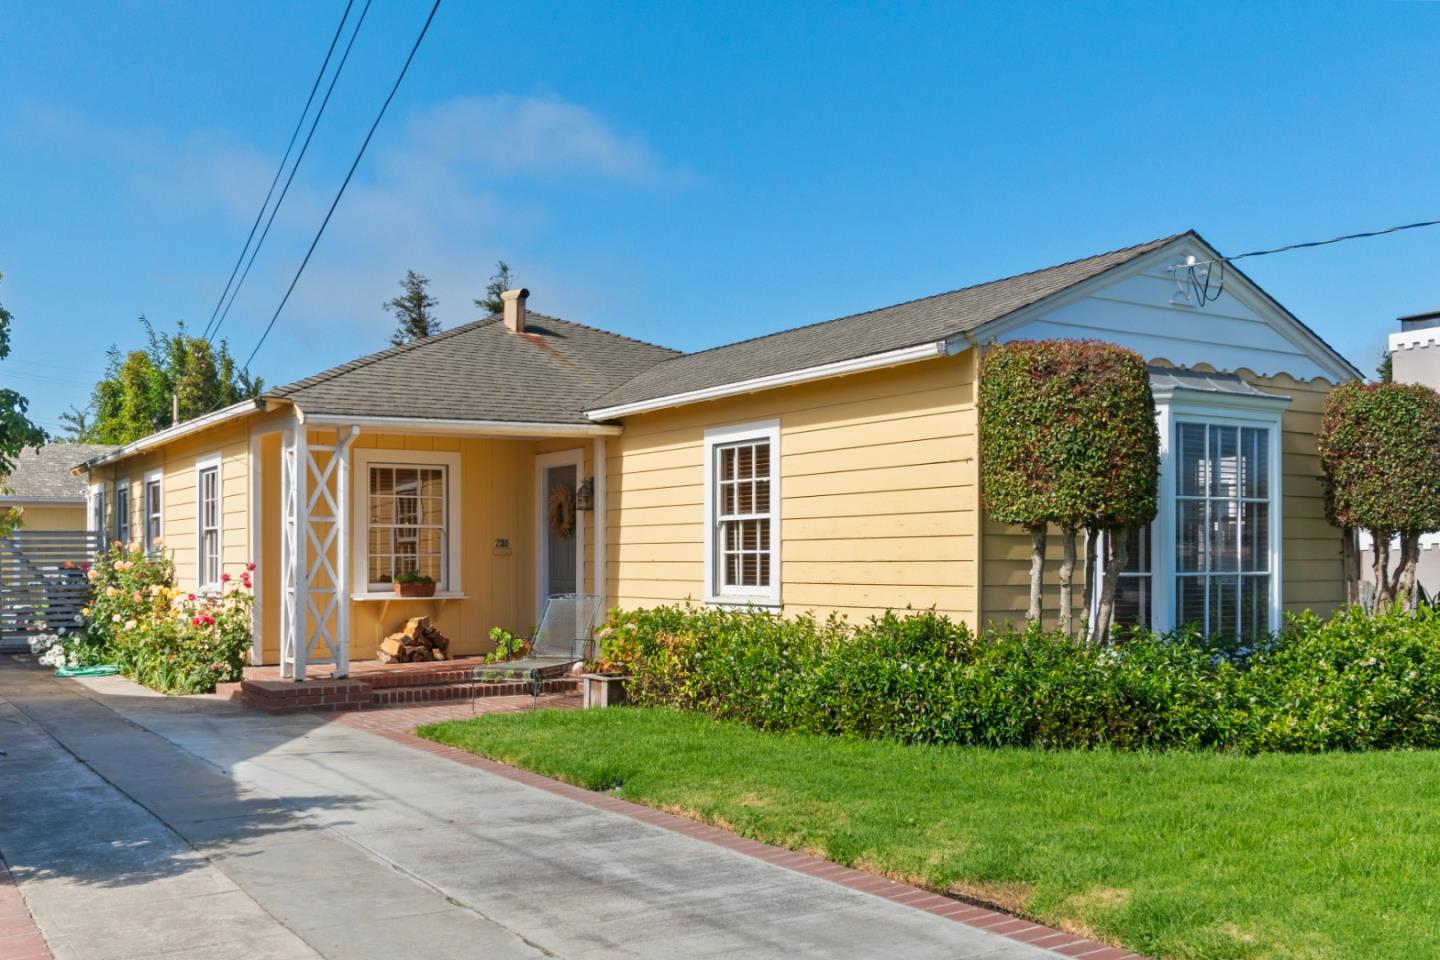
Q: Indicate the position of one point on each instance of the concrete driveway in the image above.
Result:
(140, 826)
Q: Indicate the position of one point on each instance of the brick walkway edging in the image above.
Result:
(20, 939)
(994, 921)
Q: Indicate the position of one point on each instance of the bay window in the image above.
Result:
(742, 505)
(1211, 558)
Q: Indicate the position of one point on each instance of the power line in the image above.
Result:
(1323, 243)
(280, 169)
(349, 44)
(341, 192)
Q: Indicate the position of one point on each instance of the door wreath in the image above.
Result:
(561, 511)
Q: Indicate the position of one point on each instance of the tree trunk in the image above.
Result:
(1116, 556)
(1037, 575)
(1067, 581)
(1406, 569)
(1380, 568)
(1350, 563)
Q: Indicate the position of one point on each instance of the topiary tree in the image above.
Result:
(1380, 453)
(1068, 437)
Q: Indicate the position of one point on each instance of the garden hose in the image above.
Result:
(104, 670)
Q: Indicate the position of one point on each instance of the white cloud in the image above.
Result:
(535, 136)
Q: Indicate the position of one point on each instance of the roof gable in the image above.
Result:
(987, 309)
(1140, 305)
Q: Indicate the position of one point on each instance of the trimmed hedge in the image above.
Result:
(1357, 681)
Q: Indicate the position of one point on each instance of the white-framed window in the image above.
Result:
(207, 522)
(1212, 557)
(742, 511)
(97, 509)
(407, 524)
(1222, 527)
(122, 510)
(154, 509)
(405, 514)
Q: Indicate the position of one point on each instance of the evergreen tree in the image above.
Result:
(500, 281)
(16, 429)
(414, 318)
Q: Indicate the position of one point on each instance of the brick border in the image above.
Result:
(982, 918)
(20, 938)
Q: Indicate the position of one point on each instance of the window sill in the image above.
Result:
(373, 596)
(760, 603)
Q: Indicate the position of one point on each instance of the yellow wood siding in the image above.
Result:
(877, 508)
(71, 517)
(1311, 573)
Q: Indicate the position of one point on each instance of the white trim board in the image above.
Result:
(768, 430)
(357, 490)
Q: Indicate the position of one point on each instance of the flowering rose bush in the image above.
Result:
(172, 640)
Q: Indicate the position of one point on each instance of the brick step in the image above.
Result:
(435, 692)
(362, 693)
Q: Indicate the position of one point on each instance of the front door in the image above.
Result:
(559, 530)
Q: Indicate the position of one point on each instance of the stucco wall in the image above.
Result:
(71, 517)
(878, 501)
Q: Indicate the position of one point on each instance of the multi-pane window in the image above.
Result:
(1222, 528)
(407, 522)
(743, 514)
(1135, 587)
(152, 514)
(122, 511)
(209, 517)
(97, 510)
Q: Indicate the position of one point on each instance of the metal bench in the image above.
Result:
(564, 638)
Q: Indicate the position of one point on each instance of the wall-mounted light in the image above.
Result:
(585, 496)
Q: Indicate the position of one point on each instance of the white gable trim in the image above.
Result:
(1190, 339)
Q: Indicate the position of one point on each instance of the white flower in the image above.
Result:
(115, 618)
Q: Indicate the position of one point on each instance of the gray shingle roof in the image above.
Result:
(482, 371)
(45, 473)
(862, 334)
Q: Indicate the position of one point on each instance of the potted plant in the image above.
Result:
(605, 678)
(413, 583)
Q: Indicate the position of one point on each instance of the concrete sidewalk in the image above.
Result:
(155, 827)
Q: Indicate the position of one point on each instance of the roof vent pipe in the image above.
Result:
(515, 309)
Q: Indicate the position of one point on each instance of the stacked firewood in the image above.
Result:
(419, 641)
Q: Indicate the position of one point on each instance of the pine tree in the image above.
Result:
(414, 318)
(501, 281)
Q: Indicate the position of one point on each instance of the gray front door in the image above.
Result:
(560, 549)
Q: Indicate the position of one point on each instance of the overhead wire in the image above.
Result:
(304, 147)
(324, 65)
(341, 192)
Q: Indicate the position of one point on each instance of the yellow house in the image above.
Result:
(827, 468)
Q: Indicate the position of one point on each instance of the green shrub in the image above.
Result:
(165, 638)
(1358, 681)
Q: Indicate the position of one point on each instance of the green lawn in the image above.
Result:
(1173, 855)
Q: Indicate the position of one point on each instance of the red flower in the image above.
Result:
(250, 566)
(190, 596)
(85, 565)
(195, 621)
(224, 578)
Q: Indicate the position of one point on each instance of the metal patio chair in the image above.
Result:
(564, 637)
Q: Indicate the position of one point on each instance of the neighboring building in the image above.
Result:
(831, 467)
(43, 488)
(1414, 358)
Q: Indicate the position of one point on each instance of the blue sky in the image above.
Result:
(694, 173)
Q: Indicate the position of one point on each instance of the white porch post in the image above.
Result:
(601, 581)
(294, 594)
(344, 493)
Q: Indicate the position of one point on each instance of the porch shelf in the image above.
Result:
(390, 595)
